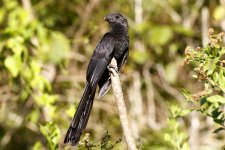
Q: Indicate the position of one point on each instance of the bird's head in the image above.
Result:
(116, 19)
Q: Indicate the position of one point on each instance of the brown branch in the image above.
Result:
(118, 95)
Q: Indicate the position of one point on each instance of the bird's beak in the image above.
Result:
(106, 18)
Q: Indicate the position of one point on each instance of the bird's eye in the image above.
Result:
(117, 17)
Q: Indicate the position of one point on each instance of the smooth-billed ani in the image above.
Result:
(113, 44)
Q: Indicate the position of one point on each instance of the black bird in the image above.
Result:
(113, 44)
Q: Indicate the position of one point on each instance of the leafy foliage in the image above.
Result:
(177, 138)
(26, 47)
(52, 134)
(106, 143)
(209, 69)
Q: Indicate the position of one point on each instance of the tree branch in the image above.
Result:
(118, 95)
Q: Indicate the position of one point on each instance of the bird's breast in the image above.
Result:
(120, 48)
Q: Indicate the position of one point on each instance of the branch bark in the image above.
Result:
(118, 95)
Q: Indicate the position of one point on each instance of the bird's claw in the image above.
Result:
(112, 69)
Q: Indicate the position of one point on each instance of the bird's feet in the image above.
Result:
(112, 67)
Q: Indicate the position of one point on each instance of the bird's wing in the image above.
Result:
(105, 82)
(123, 60)
(100, 59)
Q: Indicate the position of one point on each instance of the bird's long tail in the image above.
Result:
(81, 116)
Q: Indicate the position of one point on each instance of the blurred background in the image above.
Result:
(45, 46)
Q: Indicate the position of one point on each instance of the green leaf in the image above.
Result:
(168, 138)
(171, 71)
(187, 95)
(187, 31)
(35, 67)
(215, 77)
(219, 121)
(222, 80)
(59, 48)
(70, 110)
(222, 51)
(140, 57)
(33, 116)
(45, 99)
(13, 64)
(10, 4)
(142, 27)
(38, 146)
(177, 111)
(161, 35)
(185, 146)
(219, 13)
(216, 113)
(38, 82)
(219, 129)
(16, 44)
(52, 134)
(216, 99)
(210, 65)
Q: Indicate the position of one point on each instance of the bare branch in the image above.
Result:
(205, 25)
(118, 95)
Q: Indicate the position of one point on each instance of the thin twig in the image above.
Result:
(205, 25)
(194, 131)
(118, 95)
(150, 98)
